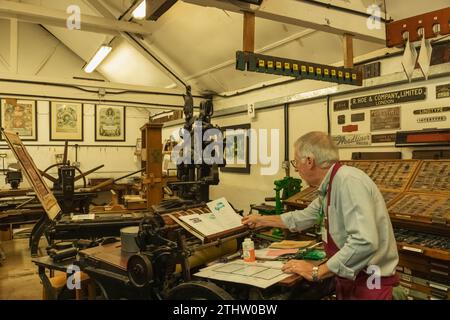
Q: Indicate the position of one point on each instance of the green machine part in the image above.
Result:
(284, 189)
(289, 186)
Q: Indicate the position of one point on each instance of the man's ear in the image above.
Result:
(310, 162)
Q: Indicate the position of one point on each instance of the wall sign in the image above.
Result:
(443, 91)
(341, 119)
(385, 119)
(431, 110)
(341, 105)
(383, 138)
(356, 117)
(350, 128)
(389, 98)
(352, 140)
(432, 119)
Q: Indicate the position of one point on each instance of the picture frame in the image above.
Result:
(19, 116)
(236, 151)
(110, 123)
(66, 121)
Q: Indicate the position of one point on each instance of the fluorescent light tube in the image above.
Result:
(98, 58)
(141, 11)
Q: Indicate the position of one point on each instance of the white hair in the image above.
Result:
(317, 145)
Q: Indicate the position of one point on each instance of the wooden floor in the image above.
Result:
(18, 275)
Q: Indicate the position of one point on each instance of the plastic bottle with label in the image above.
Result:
(248, 250)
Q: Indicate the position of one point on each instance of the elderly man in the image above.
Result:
(353, 219)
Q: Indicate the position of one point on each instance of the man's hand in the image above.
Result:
(257, 220)
(254, 220)
(299, 267)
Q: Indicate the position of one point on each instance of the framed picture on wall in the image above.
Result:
(236, 152)
(66, 121)
(109, 123)
(20, 116)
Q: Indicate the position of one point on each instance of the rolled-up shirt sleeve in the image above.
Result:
(299, 220)
(357, 208)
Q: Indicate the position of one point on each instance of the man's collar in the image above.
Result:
(322, 190)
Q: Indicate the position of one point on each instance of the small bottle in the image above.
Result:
(248, 250)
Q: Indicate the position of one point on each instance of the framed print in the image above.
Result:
(109, 123)
(20, 116)
(66, 121)
(236, 152)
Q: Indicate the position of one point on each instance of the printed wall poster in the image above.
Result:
(20, 116)
(109, 123)
(66, 121)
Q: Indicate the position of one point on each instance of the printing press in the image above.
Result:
(166, 255)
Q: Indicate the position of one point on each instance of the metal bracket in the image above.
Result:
(395, 30)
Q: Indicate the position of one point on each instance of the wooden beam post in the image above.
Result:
(249, 32)
(348, 50)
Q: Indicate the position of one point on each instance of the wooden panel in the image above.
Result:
(45, 196)
(249, 32)
(348, 50)
(376, 155)
(431, 154)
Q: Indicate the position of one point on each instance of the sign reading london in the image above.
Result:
(382, 99)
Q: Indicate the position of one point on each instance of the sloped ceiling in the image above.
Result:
(199, 43)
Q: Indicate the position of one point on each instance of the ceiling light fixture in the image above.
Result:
(141, 11)
(99, 56)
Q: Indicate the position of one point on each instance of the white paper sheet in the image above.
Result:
(224, 214)
(261, 274)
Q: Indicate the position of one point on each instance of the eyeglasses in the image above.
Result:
(294, 163)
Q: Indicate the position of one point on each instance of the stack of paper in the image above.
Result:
(273, 254)
(291, 244)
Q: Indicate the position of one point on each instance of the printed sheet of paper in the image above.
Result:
(224, 214)
(202, 223)
(261, 274)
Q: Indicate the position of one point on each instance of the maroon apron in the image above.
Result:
(357, 289)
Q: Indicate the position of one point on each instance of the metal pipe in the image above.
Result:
(153, 57)
(79, 146)
(286, 139)
(338, 8)
(94, 101)
(96, 91)
(328, 115)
